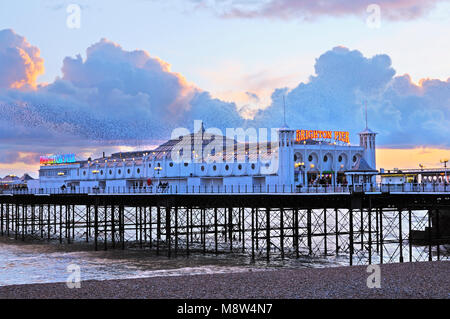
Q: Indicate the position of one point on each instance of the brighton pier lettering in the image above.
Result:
(303, 135)
(57, 159)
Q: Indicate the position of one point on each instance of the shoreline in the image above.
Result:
(407, 280)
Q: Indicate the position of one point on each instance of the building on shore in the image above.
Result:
(298, 158)
(415, 176)
(15, 182)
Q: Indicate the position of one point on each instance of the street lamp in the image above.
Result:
(301, 165)
(445, 161)
(158, 169)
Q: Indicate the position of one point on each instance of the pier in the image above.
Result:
(364, 225)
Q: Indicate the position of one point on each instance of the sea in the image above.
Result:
(44, 262)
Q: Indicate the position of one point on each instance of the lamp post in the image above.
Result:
(301, 165)
(445, 161)
(157, 170)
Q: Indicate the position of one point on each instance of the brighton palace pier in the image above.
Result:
(298, 158)
(204, 192)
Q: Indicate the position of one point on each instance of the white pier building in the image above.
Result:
(299, 158)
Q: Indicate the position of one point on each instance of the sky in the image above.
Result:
(122, 75)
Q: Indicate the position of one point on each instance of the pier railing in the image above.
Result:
(242, 189)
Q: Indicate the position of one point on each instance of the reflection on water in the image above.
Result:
(24, 263)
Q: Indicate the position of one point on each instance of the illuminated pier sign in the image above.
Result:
(57, 159)
(303, 135)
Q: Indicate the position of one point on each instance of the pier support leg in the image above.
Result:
(96, 227)
(282, 232)
(168, 231)
(351, 236)
(158, 229)
(253, 233)
(400, 233)
(297, 248)
(309, 231)
(105, 228)
(268, 234)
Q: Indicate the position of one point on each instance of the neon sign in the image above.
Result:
(303, 135)
(57, 159)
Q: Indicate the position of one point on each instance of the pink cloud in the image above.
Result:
(20, 62)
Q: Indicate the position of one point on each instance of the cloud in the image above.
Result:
(9, 157)
(405, 114)
(114, 95)
(116, 98)
(20, 62)
(309, 10)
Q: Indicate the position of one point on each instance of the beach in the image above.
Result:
(406, 280)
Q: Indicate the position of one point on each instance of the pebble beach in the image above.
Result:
(407, 280)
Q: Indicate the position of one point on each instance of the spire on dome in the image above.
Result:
(367, 130)
(285, 126)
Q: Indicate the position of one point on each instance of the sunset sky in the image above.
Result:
(131, 71)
